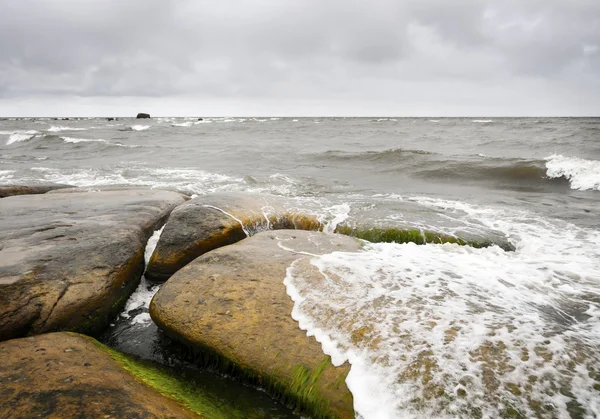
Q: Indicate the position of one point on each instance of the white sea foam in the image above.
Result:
(434, 120)
(60, 128)
(142, 296)
(19, 136)
(81, 140)
(482, 121)
(6, 175)
(204, 121)
(453, 331)
(140, 127)
(331, 217)
(582, 174)
(183, 124)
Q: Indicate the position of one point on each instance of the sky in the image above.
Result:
(300, 57)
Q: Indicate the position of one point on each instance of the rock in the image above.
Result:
(230, 306)
(68, 261)
(211, 221)
(142, 116)
(407, 234)
(200, 119)
(11, 190)
(64, 375)
(110, 119)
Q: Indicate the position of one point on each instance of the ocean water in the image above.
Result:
(430, 331)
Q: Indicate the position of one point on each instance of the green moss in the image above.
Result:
(183, 392)
(302, 396)
(395, 235)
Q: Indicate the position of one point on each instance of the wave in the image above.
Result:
(59, 129)
(582, 174)
(81, 140)
(482, 121)
(372, 156)
(19, 136)
(451, 331)
(514, 172)
(140, 127)
(183, 124)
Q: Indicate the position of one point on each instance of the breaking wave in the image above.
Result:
(60, 129)
(452, 331)
(582, 174)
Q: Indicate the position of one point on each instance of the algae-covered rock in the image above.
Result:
(211, 221)
(65, 375)
(231, 307)
(399, 234)
(68, 261)
(12, 190)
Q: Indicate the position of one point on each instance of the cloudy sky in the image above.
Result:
(300, 57)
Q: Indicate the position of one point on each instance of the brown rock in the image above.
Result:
(69, 261)
(231, 306)
(11, 190)
(64, 375)
(211, 221)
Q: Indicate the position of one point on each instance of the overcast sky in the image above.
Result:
(300, 57)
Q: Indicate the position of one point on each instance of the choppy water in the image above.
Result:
(445, 330)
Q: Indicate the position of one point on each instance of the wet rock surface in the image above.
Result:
(12, 190)
(65, 375)
(212, 221)
(231, 306)
(68, 261)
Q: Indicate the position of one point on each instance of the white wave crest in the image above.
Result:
(81, 140)
(18, 136)
(452, 331)
(482, 121)
(59, 129)
(140, 127)
(582, 174)
(183, 124)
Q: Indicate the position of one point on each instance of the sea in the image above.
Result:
(446, 330)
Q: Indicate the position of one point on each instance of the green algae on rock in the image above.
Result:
(231, 308)
(68, 261)
(399, 235)
(212, 221)
(66, 375)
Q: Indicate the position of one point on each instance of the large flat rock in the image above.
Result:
(68, 261)
(230, 305)
(12, 190)
(211, 221)
(64, 375)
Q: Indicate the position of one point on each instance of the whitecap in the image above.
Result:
(59, 129)
(140, 127)
(81, 140)
(582, 174)
(18, 136)
(204, 121)
(482, 121)
(183, 124)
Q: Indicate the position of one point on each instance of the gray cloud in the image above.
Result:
(434, 56)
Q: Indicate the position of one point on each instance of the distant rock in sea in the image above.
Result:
(200, 119)
(142, 116)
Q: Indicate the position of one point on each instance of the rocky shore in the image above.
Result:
(70, 258)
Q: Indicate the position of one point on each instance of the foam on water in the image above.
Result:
(582, 174)
(60, 128)
(18, 136)
(141, 297)
(140, 127)
(448, 330)
(183, 124)
(6, 175)
(482, 121)
(80, 140)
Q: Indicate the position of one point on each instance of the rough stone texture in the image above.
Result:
(212, 221)
(68, 261)
(231, 304)
(11, 190)
(142, 116)
(64, 375)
